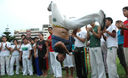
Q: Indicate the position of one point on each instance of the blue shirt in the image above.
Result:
(120, 37)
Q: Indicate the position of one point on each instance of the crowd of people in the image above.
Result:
(37, 56)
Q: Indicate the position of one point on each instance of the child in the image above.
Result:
(26, 57)
(38, 71)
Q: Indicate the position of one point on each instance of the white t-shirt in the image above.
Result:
(81, 34)
(111, 42)
(5, 51)
(25, 48)
(15, 52)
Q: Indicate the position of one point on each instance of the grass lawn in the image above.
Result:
(120, 70)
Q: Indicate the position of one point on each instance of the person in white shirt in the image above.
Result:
(15, 49)
(26, 57)
(5, 53)
(79, 44)
(112, 44)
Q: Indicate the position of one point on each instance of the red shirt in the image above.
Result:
(126, 34)
(50, 48)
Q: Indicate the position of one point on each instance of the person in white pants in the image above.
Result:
(15, 49)
(96, 59)
(5, 53)
(112, 44)
(74, 23)
(26, 57)
(61, 26)
(104, 53)
(55, 65)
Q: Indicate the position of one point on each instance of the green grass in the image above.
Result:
(120, 70)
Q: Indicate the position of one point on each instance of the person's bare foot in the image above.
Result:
(67, 76)
(126, 75)
(45, 76)
(42, 75)
(70, 76)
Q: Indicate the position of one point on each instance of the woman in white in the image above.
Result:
(15, 49)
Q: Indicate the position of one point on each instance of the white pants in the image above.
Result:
(126, 55)
(111, 62)
(56, 66)
(49, 63)
(27, 66)
(12, 61)
(4, 60)
(104, 54)
(97, 65)
(68, 61)
(75, 22)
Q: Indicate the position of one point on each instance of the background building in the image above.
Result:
(45, 30)
(33, 32)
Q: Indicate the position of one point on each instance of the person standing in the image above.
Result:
(125, 27)
(68, 61)
(96, 60)
(120, 50)
(55, 65)
(79, 44)
(5, 48)
(111, 39)
(38, 71)
(26, 57)
(21, 42)
(33, 58)
(104, 53)
(15, 49)
(50, 49)
(42, 46)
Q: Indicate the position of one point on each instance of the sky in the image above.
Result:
(25, 14)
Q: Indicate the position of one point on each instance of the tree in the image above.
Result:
(9, 37)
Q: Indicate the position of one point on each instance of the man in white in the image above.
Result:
(62, 21)
(62, 25)
(26, 57)
(5, 53)
(15, 49)
(112, 44)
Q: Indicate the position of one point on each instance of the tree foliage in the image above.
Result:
(9, 37)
